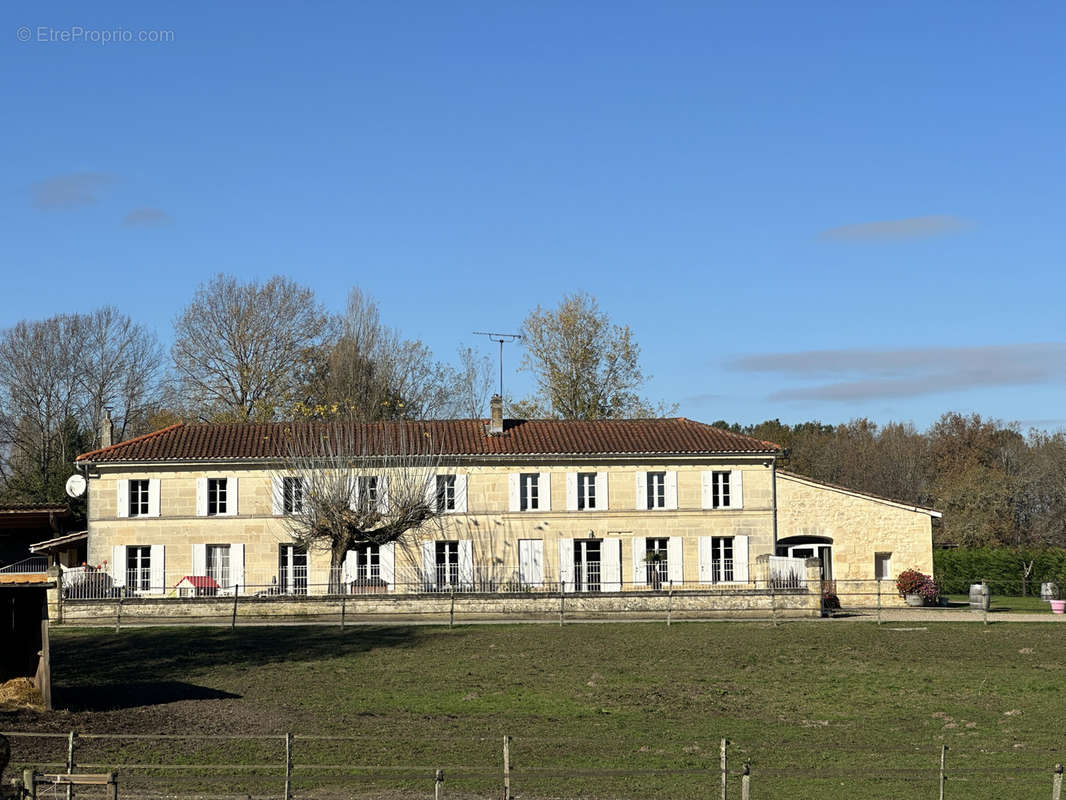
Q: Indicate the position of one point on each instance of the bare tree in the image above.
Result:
(343, 483)
(585, 366)
(238, 345)
(473, 383)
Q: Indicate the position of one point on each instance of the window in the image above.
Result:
(586, 490)
(721, 558)
(292, 569)
(657, 564)
(139, 568)
(293, 494)
(529, 489)
(367, 561)
(445, 493)
(139, 498)
(218, 564)
(447, 564)
(883, 566)
(656, 490)
(720, 490)
(587, 557)
(367, 492)
(217, 496)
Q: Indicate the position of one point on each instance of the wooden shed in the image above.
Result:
(24, 631)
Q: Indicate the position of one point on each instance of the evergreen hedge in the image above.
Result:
(1002, 568)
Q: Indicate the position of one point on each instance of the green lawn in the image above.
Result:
(830, 709)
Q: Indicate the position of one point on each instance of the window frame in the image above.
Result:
(138, 503)
(292, 495)
(721, 489)
(656, 490)
(529, 491)
(586, 491)
(219, 488)
(446, 492)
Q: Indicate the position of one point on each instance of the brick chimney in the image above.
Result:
(107, 429)
(496, 423)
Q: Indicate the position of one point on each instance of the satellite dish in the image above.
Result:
(75, 485)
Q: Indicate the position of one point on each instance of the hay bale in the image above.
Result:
(20, 693)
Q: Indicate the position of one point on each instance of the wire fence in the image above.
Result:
(322, 766)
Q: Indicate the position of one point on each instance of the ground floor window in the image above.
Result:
(883, 566)
(722, 559)
(657, 565)
(218, 564)
(139, 568)
(447, 564)
(292, 569)
(587, 563)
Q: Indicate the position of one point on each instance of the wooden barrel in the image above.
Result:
(979, 596)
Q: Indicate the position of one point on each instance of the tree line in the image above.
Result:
(255, 351)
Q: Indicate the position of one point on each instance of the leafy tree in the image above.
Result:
(585, 366)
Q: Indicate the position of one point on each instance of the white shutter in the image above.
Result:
(351, 564)
(706, 556)
(153, 497)
(429, 564)
(199, 559)
(431, 491)
(707, 489)
(571, 491)
(231, 497)
(740, 559)
(671, 489)
(201, 497)
(118, 563)
(383, 494)
(601, 491)
(531, 561)
(122, 500)
(675, 550)
(566, 564)
(466, 563)
(640, 552)
(514, 493)
(157, 572)
(387, 562)
(460, 494)
(612, 565)
(236, 566)
(642, 491)
(736, 489)
(278, 495)
(544, 492)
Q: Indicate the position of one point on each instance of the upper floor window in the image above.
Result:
(293, 495)
(217, 496)
(138, 498)
(368, 491)
(445, 493)
(656, 490)
(586, 491)
(529, 491)
(720, 490)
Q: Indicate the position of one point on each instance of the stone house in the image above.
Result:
(581, 506)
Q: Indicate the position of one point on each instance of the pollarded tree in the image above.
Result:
(585, 366)
(237, 346)
(344, 483)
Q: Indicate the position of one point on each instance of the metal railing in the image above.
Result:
(34, 565)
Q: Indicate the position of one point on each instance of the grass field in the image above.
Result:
(829, 709)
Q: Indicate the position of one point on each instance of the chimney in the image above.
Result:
(496, 423)
(107, 429)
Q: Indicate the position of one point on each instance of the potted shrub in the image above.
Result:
(1058, 596)
(917, 588)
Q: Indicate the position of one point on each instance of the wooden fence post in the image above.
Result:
(70, 761)
(288, 766)
(118, 611)
(438, 786)
(725, 766)
(506, 768)
(112, 786)
(1056, 783)
(451, 611)
(773, 602)
(745, 783)
(29, 782)
(236, 592)
(343, 609)
(985, 604)
(943, 754)
(878, 601)
(669, 603)
(562, 601)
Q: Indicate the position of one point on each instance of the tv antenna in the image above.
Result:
(501, 338)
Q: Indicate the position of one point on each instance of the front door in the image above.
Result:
(587, 565)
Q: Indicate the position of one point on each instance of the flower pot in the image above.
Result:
(915, 600)
(1058, 606)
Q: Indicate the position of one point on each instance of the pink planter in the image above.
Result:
(1058, 606)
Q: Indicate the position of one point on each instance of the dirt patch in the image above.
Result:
(20, 693)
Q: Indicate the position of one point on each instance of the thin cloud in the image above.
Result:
(69, 191)
(146, 217)
(897, 229)
(856, 374)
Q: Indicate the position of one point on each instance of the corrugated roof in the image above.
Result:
(271, 441)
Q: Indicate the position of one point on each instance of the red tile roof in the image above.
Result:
(469, 437)
(198, 582)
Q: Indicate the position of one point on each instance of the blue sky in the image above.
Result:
(804, 211)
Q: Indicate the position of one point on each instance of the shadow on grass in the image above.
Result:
(115, 696)
(104, 664)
